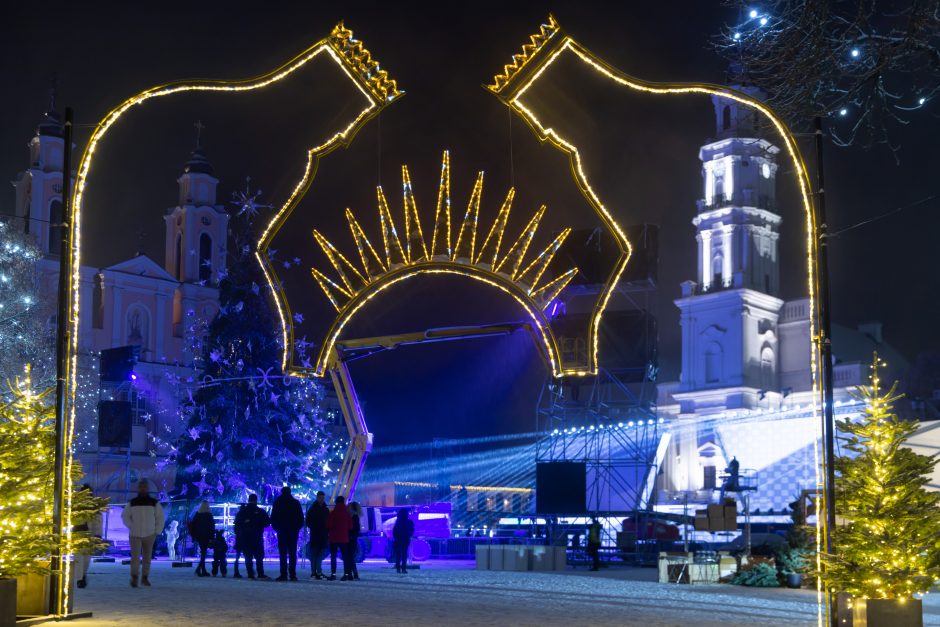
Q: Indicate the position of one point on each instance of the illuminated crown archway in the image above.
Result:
(505, 266)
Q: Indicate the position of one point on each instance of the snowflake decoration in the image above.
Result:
(247, 201)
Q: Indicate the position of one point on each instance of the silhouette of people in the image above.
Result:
(402, 532)
(355, 528)
(83, 560)
(317, 515)
(219, 549)
(287, 519)
(732, 481)
(250, 523)
(239, 543)
(202, 530)
(338, 525)
(594, 543)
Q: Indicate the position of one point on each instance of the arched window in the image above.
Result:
(767, 368)
(138, 327)
(713, 363)
(178, 313)
(179, 257)
(55, 227)
(205, 257)
(717, 265)
(726, 118)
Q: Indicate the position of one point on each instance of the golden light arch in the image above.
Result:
(525, 70)
(373, 83)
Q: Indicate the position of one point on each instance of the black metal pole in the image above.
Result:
(63, 341)
(825, 344)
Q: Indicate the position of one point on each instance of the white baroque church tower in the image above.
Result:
(745, 388)
(138, 301)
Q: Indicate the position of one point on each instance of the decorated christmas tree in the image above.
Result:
(890, 544)
(27, 450)
(24, 335)
(249, 427)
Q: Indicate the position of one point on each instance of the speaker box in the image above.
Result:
(114, 423)
(561, 488)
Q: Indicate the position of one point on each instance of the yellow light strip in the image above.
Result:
(518, 249)
(514, 101)
(467, 237)
(442, 213)
(371, 263)
(412, 218)
(496, 232)
(491, 488)
(394, 253)
(443, 267)
(356, 64)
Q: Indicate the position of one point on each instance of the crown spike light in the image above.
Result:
(353, 281)
(489, 251)
(440, 241)
(467, 237)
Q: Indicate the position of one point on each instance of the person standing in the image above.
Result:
(317, 515)
(594, 543)
(219, 549)
(239, 541)
(143, 517)
(337, 525)
(355, 528)
(287, 519)
(83, 560)
(250, 523)
(401, 533)
(202, 530)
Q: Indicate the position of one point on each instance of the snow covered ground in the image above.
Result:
(439, 593)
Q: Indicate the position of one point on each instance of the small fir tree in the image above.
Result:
(27, 450)
(890, 545)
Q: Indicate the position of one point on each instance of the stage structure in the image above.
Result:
(509, 269)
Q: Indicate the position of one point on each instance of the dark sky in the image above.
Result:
(645, 158)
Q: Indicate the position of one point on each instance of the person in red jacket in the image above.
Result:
(338, 525)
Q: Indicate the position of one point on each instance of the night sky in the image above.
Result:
(643, 159)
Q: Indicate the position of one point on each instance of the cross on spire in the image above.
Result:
(199, 126)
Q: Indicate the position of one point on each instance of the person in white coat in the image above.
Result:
(143, 517)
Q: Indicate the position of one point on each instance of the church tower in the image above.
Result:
(197, 228)
(39, 189)
(729, 314)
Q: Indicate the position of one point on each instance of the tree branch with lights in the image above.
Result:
(874, 62)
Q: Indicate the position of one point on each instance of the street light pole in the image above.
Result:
(825, 343)
(57, 603)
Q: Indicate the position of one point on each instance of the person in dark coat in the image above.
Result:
(317, 515)
(202, 530)
(239, 543)
(594, 544)
(287, 519)
(402, 532)
(250, 523)
(219, 549)
(337, 525)
(355, 529)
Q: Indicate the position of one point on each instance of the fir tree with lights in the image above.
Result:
(250, 428)
(27, 450)
(890, 545)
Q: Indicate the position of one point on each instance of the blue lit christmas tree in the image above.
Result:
(249, 428)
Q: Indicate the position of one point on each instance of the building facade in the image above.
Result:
(746, 387)
(136, 302)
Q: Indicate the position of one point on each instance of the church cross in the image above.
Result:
(199, 126)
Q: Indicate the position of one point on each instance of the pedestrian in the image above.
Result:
(202, 531)
(143, 517)
(239, 542)
(594, 543)
(83, 560)
(250, 523)
(338, 524)
(317, 515)
(355, 528)
(287, 519)
(219, 549)
(401, 533)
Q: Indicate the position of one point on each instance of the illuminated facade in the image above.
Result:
(134, 302)
(746, 387)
